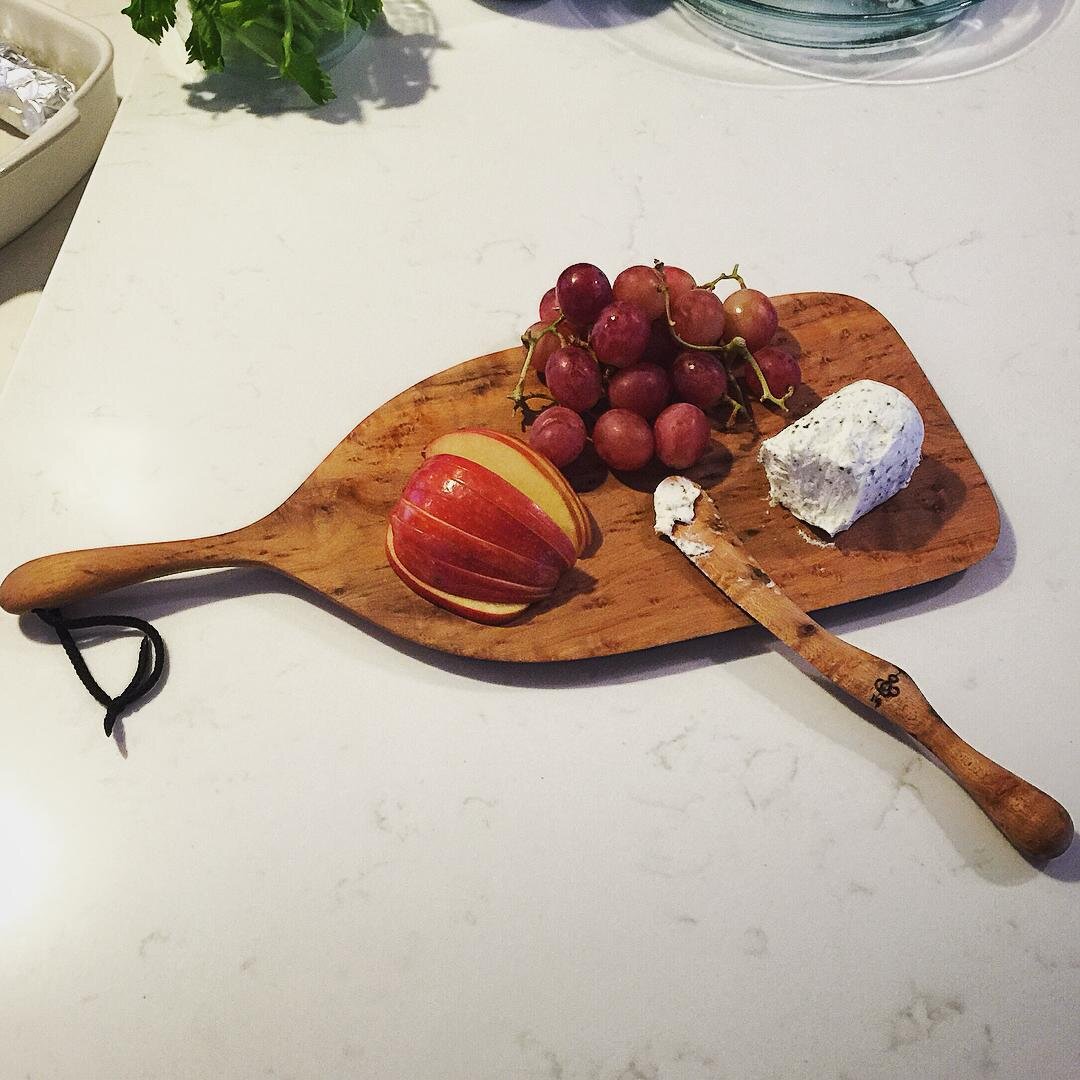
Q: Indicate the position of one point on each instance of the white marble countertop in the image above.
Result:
(329, 854)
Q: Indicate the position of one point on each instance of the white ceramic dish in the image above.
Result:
(39, 170)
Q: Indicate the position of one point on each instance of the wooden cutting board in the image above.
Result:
(631, 590)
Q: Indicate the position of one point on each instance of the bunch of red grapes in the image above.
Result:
(646, 358)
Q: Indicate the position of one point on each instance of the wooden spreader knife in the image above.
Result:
(1034, 823)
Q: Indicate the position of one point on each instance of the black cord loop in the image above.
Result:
(148, 671)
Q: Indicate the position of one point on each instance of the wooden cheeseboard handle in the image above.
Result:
(55, 580)
(1033, 822)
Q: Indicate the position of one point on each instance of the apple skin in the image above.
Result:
(449, 558)
(424, 564)
(467, 539)
(489, 612)
(479, 502)
(525, 469)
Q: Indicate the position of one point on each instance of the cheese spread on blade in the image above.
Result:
(673, 504)
(858, 448)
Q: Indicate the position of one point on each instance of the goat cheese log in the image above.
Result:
(858, 448)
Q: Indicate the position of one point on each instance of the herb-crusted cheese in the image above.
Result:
(858, 448)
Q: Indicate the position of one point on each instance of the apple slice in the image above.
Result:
(492, 612)
(479, 555)
(423, 560)
(459, 563)
(477, 501)
(522, 467)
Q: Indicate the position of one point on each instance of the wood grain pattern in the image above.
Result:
(1032, 821)
(630, 591)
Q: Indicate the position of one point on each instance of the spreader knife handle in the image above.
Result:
(1033, 822)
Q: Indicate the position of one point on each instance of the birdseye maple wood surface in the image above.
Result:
(629, 591)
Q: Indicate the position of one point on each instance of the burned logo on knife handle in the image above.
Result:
(885, 688)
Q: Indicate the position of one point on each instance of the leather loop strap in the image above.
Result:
(148, 671)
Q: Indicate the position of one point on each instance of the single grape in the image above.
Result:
(623, 440)
(698, 316)
(573, 377)
(581, 291)
(546, 344)
(679, 282)
(662, 348)
(640, 285)
(549, 307)
(699, 378)
(559, 434)
(750, 314)
(682, 435)
(644, 389)
(620, 334)
(780, 368)
(550, 311)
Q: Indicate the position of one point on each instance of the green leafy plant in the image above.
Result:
(285, 34)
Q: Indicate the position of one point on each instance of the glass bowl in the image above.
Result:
(829, 24)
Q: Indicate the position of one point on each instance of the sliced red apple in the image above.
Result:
(423, 540)
(522, 467)
(477, 501)
(425, 564)
(485, 531)
(485, 611)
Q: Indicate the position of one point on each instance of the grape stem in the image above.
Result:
(733, 275)
(663, 287)
(738, 403)
(738, 347)
(518, 396)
